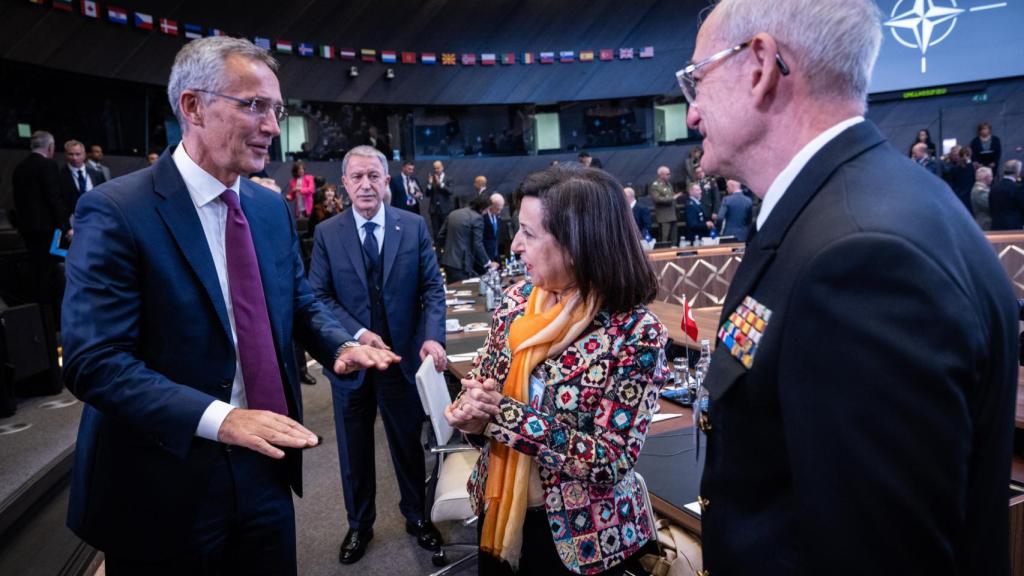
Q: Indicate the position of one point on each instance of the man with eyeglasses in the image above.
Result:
(862, 387)
(185, 289)
(374, 267)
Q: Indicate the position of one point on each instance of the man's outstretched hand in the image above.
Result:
(362, 358)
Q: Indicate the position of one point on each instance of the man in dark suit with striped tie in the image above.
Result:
(406, 191)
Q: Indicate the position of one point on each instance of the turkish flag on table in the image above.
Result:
(688, 324)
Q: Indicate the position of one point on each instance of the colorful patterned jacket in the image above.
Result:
(597, 406)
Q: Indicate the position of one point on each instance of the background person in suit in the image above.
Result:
(439, 190)
(850, 427)
(376, 270)
(188, 446)
(406, 191)
(698, 224)
(75, 177)
(736, 211)
(641, 214)
(40, 210)
(493, 225)
(95, 161)
(986, 148)
(1006, 199)
(462, 237)
(979, 197)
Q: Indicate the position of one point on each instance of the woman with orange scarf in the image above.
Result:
(561, 400)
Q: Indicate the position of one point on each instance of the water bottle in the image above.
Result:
(683, 380)
(704, 362)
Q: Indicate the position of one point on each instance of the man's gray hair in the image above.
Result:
(983, 173)
(1011, 168)
(200, 66)
(365, 152)
(40, 140)
(834, 43)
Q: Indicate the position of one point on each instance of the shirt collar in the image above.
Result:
(632, 204)
(377, 219)
(796, 165)
(202, 186)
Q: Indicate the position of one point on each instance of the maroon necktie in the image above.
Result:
(262, 375)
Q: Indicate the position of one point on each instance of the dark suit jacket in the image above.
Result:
(412, 287)
(463, 239)
(399, 195)
(491, 233)
(69, 189)
(873, 428)
(1006, 204)
(735, 215)
(440, 197)
(696, 220)
(990, 158)
(147, 347)
(39, 207)
(642, 217)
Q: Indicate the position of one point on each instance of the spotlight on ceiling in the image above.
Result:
(389, 73)
(353, 71)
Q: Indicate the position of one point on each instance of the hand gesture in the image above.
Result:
(364, 357)
(263, 431)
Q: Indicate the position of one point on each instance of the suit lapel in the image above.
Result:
(350, 245)
(392, 239)
(179, 214)
(850, 143)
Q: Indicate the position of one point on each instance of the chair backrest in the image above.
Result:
(435, 398)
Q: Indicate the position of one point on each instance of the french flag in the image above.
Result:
(143, 21)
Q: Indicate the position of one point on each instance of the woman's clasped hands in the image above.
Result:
(474, 407)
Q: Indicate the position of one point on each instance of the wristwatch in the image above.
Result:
(343, 347)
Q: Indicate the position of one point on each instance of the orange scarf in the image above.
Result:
(543, 331)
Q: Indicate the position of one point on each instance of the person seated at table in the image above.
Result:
(562, 398)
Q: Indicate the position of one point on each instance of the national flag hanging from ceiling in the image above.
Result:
(448, 59)
(607, 54)
(305, 49)
(469, 59)
(586, 55)
(64, 5)
(528, 58)
(508, 58)
(327, 52)
(388, 56)
(193, 31)
(488, 59)
(216, 32)
(117, 15)
(428, 58)
(368, 55)
(347, 53)
(547, 57)
(566, 56)
(408, 57)
(89, 9)
(262, 42)
(143, 21)
(647, 52)
(283, 46)
(169, 27)
(625, 53)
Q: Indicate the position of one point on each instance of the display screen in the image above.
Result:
(941, 42)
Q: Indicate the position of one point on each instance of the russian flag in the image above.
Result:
(488, 59)
(388, 56)
(143, 21)
(428, 58)
(117, 15)
(193, 31)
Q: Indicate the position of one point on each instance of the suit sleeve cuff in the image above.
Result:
(213, 417)
(358, 333)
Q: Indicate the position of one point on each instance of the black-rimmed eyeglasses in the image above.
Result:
(688, 83)
(258, 106)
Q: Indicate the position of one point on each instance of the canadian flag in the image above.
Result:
(688, 324)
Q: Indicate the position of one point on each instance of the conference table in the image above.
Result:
(669, 460)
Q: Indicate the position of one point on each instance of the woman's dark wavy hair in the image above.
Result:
(586, 212)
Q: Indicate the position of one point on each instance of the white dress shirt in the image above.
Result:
(205, 190)
(378, 233)
(74, 176)
(796, 165)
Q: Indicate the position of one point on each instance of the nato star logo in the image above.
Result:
(927, 23)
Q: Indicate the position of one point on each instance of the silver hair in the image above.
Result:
(833, 42)
(1011, 168)
(983, 173)
(365, 152)
(40, 140)
(200, 66)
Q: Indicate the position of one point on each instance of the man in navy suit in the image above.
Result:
(862, 388)
(492, 225)
(641, 214)
(374, 267)
(185, 289)
(406, 191)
